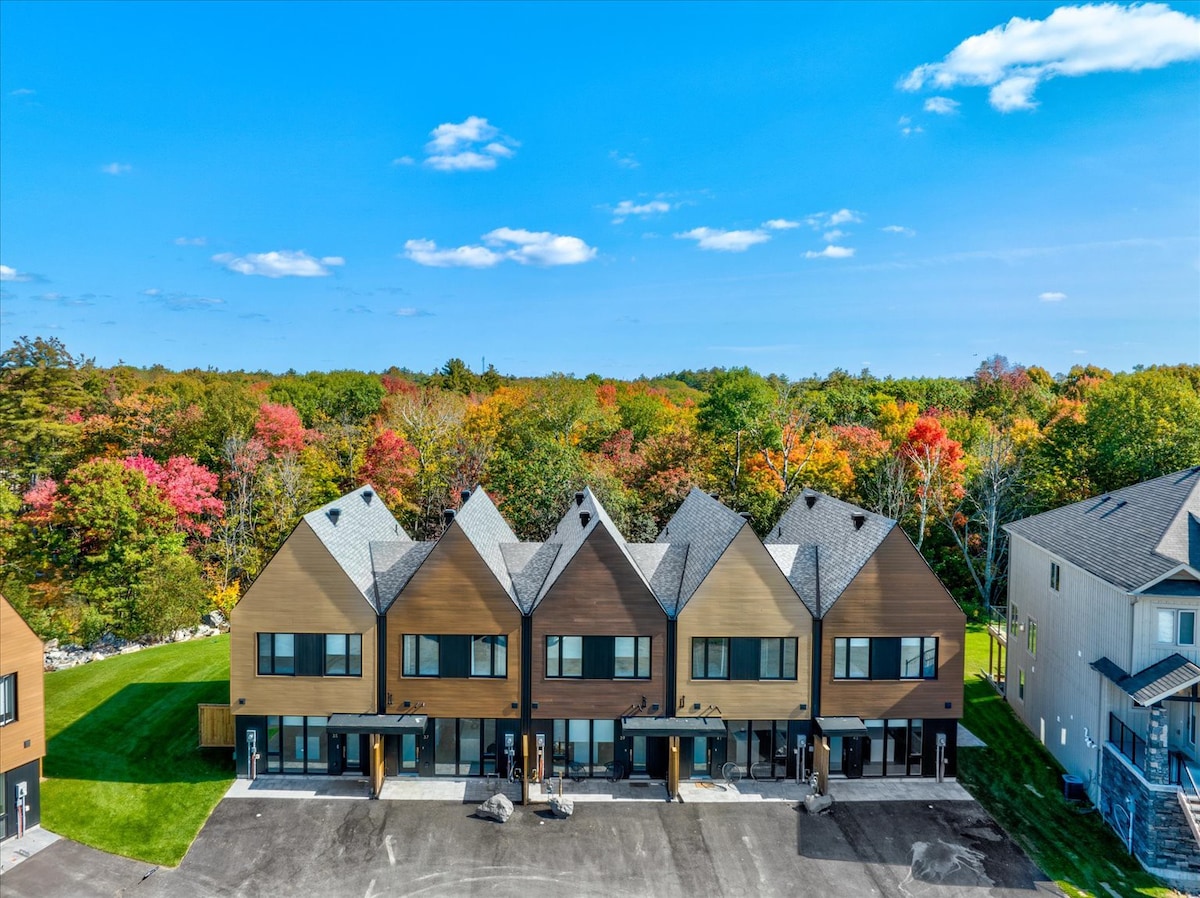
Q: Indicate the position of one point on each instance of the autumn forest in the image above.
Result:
(136, 499)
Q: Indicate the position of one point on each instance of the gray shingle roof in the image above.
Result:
(1129, 537)
(662, 564)
(570, 535)
(820, 549)
(707, 528)
(360, 519)
(1169, 676)
(394, 564)
(482, 524)
(528, 565)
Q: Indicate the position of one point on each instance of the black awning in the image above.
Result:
(380, 724)
(673, 726)
(841, 726)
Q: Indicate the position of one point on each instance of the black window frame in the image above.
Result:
(1031, 637)
(707, 641)
(783, 659)
(554, 658)
(8, 691)
(922, 649)
(493, 646)
(348, 656)
(418, 640)
(273, 656)
(1055, 576)
(884, 658)
(639, 672)
(844, 674)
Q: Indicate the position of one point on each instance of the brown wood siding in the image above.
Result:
(302, 590)
(895, 594)
(454, 592)
(599, 594)
(745, 594)
(21, 653)
(216, 726)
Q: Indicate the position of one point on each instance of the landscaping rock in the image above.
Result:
(214, 619)
(561, 806)
(497, 808)
(817, 803)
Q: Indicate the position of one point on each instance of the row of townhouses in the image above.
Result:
(360, 650)
(22, 723)
(1097, 653)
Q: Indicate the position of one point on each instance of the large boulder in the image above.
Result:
(561, 806)
(497, 808)
(818, 803)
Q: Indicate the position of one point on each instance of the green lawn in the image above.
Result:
(1019, 784)
(123, 772)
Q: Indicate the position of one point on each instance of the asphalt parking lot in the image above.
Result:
(381, 849)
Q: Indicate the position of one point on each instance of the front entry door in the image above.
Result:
(637, 756)
(700, 758)
(337, 752)
(852, 761)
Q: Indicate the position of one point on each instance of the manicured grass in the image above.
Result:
(123, 770)
(1019, 783)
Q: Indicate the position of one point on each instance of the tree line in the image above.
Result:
(132, 499)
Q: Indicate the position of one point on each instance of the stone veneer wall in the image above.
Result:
(1162, 840)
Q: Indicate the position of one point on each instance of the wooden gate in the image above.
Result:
(216, 726)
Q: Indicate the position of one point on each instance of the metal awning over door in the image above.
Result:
(378, 724)
(673, 726)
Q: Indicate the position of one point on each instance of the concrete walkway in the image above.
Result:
(13, 850)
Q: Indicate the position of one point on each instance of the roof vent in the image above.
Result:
(465, 495)
(1120, 504)
(334, 514)
(716, 496)
(579, 497)
(859, 520)
(584, 517)
(367, 496)
(810, 499)
(744, 515)
(447, 515)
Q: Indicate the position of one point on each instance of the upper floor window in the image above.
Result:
(8, 698)
(1031, 637)
(1055, 575)
(489, 656)
(310, 654)
(743, 658)
(1014, 619)
(885, 658)
(422, 655)
(1176, 626)
(598, 657)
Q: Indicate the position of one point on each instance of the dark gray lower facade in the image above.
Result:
(25, 778)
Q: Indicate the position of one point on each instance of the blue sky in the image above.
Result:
(619, 188)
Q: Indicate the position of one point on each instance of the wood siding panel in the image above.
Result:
(216, 726)
(302, 590)
(21, 652)
(454, 592)
(896, 594)
(599, 594)
(745, 594)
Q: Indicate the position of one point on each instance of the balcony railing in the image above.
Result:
(998, 622)
(1133, 747)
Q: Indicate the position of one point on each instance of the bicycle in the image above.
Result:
(614, 771)
(732, 772)
(577, 772)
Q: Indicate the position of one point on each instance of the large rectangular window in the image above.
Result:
(1055, 576)
(277, 654)
(564, 656)
(710, 658)
(885, 658)
(489, 656)
(310, 654)
(1176, 626)
(343, 654)
(8, 698)
(1031, 637)
(777, 658)
(631, 657)
(918, 658)
(422, 655)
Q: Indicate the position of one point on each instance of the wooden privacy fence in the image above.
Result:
(216, 726)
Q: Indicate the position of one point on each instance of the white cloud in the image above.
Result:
(1052, 296)
(725, 241)
(11, 274)
(404, 160)
(515, 244)
(831, 252)
(1013, 59)
(190, 241)
(183, 302)
(941, 105)
(153, 291)
(624, 160)
(470, 145)
(22, 92)
(907, 127)
(116, 168)
(844, 216)
(1078, 352)
(833, 236)
(541, 247)
(412, 313)
(780, 224)
(279, 264)
(899, 229)
(828, 221)
(626, 208)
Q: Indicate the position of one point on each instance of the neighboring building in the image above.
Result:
(598, 645)
(1103, 664)
(304, 640)
(744, 642)
(22, 722)
(454, 647)
(887, 672)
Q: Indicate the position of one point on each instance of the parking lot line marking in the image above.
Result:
(387, 843)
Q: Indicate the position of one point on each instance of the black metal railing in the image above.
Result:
(1133, 746)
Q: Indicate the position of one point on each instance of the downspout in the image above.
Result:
(671, 659)
(527, 674)
(380, 663)
(816, 640)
